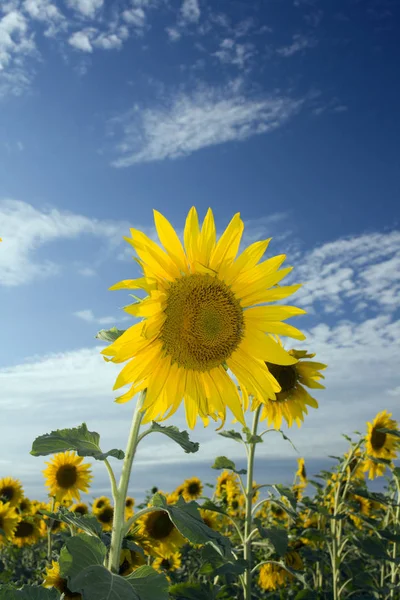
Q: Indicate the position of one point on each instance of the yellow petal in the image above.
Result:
(263, 314)
(276, 293)
(228, 244)
(191, 235)
(264, 347)
(252, 290)
(245, 261)
(170, 241)
(207, 238)
(143, 283)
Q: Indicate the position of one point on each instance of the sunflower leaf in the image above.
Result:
(209, 505)
(28, 592)
(394, 432)
(79, 552)
(277, 536)
(287, 492)
(222, 462)
(88, 523)
(231, 434)
(148, 584)
(109, 335)
(97, 582)
(180, 437)
(80, 439)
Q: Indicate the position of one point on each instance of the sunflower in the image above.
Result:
(192, 489)
(291, 402)
(129, 561)
(278, 513)
(80, 508)
(9, 519)
(54, 579)
(66, 476)
(106, 516)
(273, 576)
(11, 491)
(172, 563)
(100, 503)
(236, 505)
(129, 503)
(361, 506)
(210, 518)
(222, 482)
(301, 472)
(27, 531)
(298, 490)
(204, 312)
(355, 468)
(379, 444)
(159, 530)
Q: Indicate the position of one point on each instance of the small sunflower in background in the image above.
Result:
(192, 489)
(359, 505)
(129, 504)
(80, 508)
(129, 561)
(355, 468)
(27, 531)
(168, 564)
(54, 579)
(301, 472)
(9, 520)
(273, 576)
(222, 481)
(11, 491)
(163, 537)
(210, 518)
(379, 444)
(66, 476)
(279, 514)
(106, 516)
(100, 503)
(291, 402)
(25, 506)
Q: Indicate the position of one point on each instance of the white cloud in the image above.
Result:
(232, 53)
(299, 43)
(87, 8)
(135, 16)
(88, 316)
(190, 11)
(204, 118)
(87, 271)
(25, 228)
(15, 40)
(48, 13)
(173, 34)
(81, 40)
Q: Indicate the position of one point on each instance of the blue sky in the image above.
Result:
(284, 111)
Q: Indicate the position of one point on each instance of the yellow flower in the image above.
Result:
(106, 516)
(80, 508)
(361, 506)
(163, 537)
(172, 563)
(66, 476)
(273, 576)
(292, 401)
(27, 531)
(129, 503)
(355, 469)
(222, 481)
(129, 561)
(192, 489)
(210, 518)
(298, 491)
(301, 472)
(380, 445)
(11, 491)
(205, 310)
(54, 579)
(100, 503)
(8, 521)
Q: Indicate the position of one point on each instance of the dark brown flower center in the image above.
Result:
(166, 564)
(159, 525)
(7, 492)
(81, 509)
(378, 439)
(129, 503)
(194, 488)
(286, 376)
(67, 476)
(106, 515)
(24, 529)
(1, 523)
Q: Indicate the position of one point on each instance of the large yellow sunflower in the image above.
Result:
(379, 444)
(205, 312)
(164, 538)
(129, 561)
(292, 401)
(192, 489)
(66, 476)
(9, 519)
(11, 491)
(54, 579)
(106, 517)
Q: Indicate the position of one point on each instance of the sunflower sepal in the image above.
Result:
(222, 462)
(109, 335)
(394, 432)
(277, 536)
(80, 439)
(171, 431)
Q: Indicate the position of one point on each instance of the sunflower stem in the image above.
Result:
(50, 525)
(395, 545)
(249, 501)
(121, 491)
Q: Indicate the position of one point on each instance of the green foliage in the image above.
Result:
(180, 437)
(88, 523)
(109, 335)
(148, 583)
(232, 435)
(222, 462)
(277, 536)
(79, 552)
(28, 592)
(97, 583)
(80, 439)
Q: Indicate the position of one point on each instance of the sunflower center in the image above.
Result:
(106, 515)
(166, 564)
(7, 492)
(378, 439)
(2, 523)
(24, 529)
(193, 488)
(81, 510)
(67, 476)
(204, 322)
(159, 525)
(286, 376)
(129, 503)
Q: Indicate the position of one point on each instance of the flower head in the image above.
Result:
(54, 579)
(273, 576)
(100, 503)
(106, 516)
(380, 444)
(164, 538)
(11, 491)
(192, 489)
(66, 476)
(9, 520)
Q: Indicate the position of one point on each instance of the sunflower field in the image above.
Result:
(207, 336)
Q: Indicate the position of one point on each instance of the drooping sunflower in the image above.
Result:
(27, 531)
(360, 505)
(129, 561)
(172, 563)
(379, 444)
(106, 516)
(164, 538)
(11, 491)
(273, 576)
(9, 519)
(54, 579)
(301, 472)
(355, 468)
(192, 489)
(100, 503)
(292, 400)
(204, 313)
(80, 508)
(66, 476)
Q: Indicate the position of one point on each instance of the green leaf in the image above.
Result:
(28, 592)
(210, 505)
(232, 435)
(187, 519)
(366, 493)
(214, 564)
(306, 595)
(222, 462)
(277, 536)
(88, 523)
(188, 591)
(373, 547)
(79, 552)
(394, 432)
(180, 437)
(287, 439)
(148, 584)
(109, 335)
(316, 484)
(286, 508)
(84, 442)
(97, 583)
(287, 492)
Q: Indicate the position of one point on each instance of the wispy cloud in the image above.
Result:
(233, 53)
(189, 122)
(190, 11)
(88, 316)
(81, 40)
(87, 8)
(16, 45)
(299, 43)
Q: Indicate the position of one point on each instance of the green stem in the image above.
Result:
(121, 492)
(249, 501)
(112, 479)
(393, 574)
(50, 525)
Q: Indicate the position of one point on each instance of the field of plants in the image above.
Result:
(207, 333)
